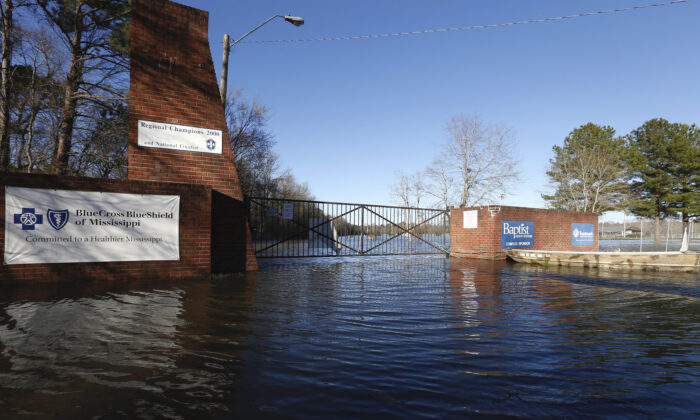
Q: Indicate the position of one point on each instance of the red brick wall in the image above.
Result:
(173, 81)
(195, 233)
(552, 230)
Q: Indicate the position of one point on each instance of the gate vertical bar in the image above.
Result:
(445, 228)
(362, 231)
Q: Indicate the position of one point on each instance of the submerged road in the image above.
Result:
(376, 337)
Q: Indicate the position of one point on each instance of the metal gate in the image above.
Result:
(300, 228)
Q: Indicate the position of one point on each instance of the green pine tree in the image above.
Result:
(588, 171)
(664, 161)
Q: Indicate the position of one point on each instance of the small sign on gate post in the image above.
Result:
(288, 211)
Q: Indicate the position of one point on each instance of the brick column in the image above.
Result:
(173, 81)
(483, 242)
(552, 230)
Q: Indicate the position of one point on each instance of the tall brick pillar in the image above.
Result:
(173, 81)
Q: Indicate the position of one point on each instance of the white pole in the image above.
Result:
(641, 233)
(684, 240)
(668, 231)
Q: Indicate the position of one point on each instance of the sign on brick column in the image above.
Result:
(177, 126)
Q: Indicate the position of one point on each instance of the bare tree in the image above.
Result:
(246, 122)
(409, 190)
(260, 176)
(258, 167)
(402, 190)
(478, 155)
(288, 187)
(35, 97)
(441, 183)
(7, 31)
(419, 188)
(93, 32)
(100, 147)
(256, 163)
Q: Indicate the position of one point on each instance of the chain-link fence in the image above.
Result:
(647, 235)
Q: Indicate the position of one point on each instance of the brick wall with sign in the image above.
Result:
(194, 233)
(173, 81)
(482, 239)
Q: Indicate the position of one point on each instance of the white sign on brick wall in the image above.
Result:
(470, 219)
(179, 137)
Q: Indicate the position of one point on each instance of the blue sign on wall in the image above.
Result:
(517, 234)
(582, 234)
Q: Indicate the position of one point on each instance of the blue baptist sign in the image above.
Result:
(517, 234)
(582, 234)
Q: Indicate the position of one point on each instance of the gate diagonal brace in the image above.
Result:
(408, 231)
(404, 230)
(313, 229)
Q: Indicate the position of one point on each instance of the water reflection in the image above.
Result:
(601, 336)
(676, 283)
(476, 287)
(357, 337)
(127, 350)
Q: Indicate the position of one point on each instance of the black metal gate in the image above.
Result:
(299, 228)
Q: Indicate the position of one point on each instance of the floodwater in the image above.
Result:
(374, 337)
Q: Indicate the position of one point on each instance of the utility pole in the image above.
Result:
(224, 69)
(294, 20)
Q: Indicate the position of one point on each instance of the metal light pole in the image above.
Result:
(294, 20)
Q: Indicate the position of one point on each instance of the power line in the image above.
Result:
(467, 28)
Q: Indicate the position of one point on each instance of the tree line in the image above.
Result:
(64, 82)
(654, 171)
(473, 166)
(259, 169)
(64, 98)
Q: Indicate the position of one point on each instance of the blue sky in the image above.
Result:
(347, 115)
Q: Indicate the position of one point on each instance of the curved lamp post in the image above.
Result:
(294, 20)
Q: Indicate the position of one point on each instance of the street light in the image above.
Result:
(294, 20)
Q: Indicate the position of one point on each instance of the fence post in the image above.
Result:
(362, 232)
(445, 229)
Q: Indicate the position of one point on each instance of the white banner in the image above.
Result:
(59, 226)
(179, 137)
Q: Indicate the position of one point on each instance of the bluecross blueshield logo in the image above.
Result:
(28, 218)
(57, 218)
(211, 144)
